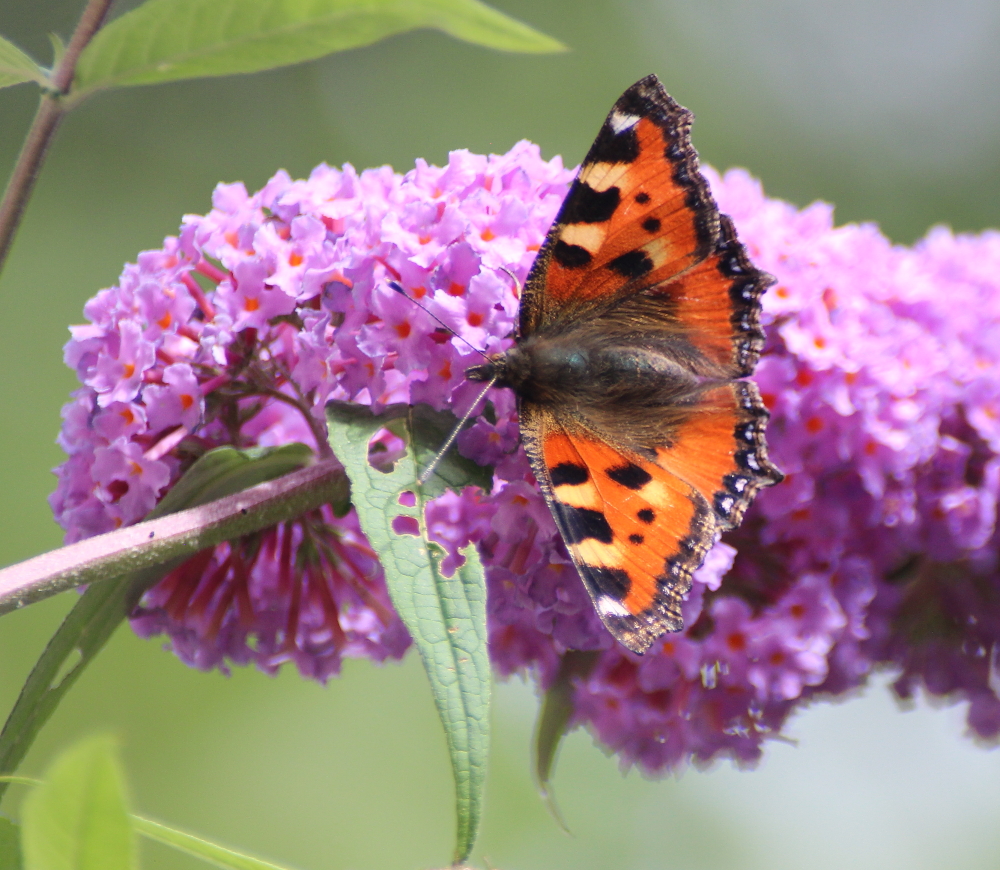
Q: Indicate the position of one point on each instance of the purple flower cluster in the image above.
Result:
(882, 372)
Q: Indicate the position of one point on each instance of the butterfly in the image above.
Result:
(639, 322)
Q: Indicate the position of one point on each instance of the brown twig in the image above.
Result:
(50, 112)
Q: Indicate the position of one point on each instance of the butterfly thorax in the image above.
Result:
(571, 372)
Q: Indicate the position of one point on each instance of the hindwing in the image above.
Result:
(634, 530)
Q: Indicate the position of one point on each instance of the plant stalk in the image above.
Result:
(50, 112)
(178, 535)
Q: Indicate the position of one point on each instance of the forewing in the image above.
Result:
(638, 214)
(715, 306)
(634, 529)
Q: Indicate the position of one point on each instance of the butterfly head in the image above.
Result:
(517, 369)
(484, 371)
(505, 369)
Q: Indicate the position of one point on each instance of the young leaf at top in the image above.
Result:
(78, 818)
(446, 616)
(17, 67)
(58, 49)
(166, 40)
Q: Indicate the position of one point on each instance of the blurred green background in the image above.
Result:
(888, 108)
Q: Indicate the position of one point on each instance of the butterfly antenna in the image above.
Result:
(513, 277)
(395, 285)
(429, 470)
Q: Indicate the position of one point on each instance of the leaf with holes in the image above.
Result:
(446, 616)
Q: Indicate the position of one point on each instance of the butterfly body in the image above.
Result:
(595, 383)
(639, 321)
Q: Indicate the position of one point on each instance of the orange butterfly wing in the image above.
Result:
(720, 450)
(638, 526)
(639, 212)
(634, 530)
(718, 303)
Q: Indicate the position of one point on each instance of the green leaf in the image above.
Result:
(105, 605)
(428, 431)
(84, 631)
(446, 616)
(10, 845)
(211, 852)
(58, 49)
(78, 819)
(226, 470)
(554, 718)
(17, 67)
(166, 40)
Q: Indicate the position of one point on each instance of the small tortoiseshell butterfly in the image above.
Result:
(638, 320)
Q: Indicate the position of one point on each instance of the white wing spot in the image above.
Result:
(608, 606)
(620, 122)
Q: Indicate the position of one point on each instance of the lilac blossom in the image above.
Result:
(881, 373)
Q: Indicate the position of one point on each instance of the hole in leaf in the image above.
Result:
(384, 450)
(404, 525)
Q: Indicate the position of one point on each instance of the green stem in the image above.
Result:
(127, 567)
(199, 847)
